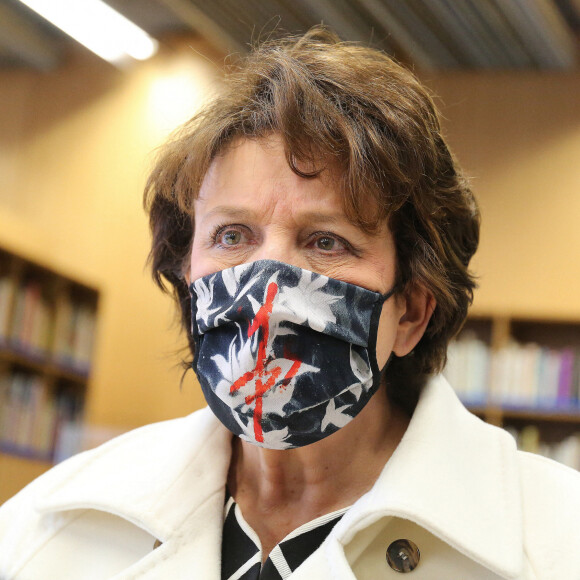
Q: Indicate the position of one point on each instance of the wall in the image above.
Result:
(75, 146)
(518, 136)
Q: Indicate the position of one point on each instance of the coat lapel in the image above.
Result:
(177, 497)
(455, 476)
(194, 552)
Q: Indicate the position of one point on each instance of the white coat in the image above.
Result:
(476, 508)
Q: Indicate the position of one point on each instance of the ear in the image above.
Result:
(418, 305)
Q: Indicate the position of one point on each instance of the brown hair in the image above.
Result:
(356, 108)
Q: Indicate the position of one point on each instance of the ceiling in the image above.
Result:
(431, 34)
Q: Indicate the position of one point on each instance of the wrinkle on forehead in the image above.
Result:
(300, 217)
(233, 154)
(246, 158)
(258, 175)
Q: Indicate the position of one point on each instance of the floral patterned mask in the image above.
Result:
(285, 357)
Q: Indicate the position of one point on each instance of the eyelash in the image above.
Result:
(220, 228)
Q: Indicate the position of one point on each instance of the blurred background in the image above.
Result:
(89, 348)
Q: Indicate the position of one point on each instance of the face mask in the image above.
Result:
(285, 357)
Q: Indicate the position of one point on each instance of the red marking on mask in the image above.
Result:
(293, 369)
(265, 379)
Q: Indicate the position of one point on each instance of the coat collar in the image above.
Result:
(139, 475)
(455, 476)
(452, 474)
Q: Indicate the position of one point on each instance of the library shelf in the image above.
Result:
(47, 331)
(522, 374)
(498, 415)
(42, 364)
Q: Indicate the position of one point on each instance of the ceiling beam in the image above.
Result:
(25, 42)
(199, 22)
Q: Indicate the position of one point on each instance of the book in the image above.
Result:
(516, 376)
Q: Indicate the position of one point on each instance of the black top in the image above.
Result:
(242, 552)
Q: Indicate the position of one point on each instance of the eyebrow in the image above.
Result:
(310, 216)
(230, 211)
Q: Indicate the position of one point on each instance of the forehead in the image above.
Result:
(253, 176)
(260, 167)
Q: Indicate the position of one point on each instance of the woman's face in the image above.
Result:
(252, 206)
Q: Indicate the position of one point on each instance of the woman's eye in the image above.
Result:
(325, 243)
(231, 237)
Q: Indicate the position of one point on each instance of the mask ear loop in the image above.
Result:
(195, 334)
(192, 307)
(373, 335)
(390, 293)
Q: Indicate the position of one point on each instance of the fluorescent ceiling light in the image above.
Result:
(100, 28)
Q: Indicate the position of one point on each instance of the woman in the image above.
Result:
(317, 234)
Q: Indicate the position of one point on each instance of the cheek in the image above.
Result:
(387, 333)
(201, 263)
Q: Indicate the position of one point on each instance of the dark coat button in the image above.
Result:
(403, 556)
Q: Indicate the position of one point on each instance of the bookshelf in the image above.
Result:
(523, 375)
(47, 329)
